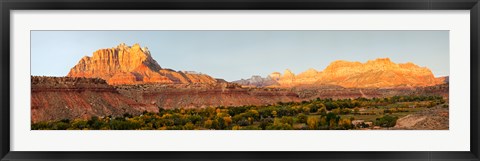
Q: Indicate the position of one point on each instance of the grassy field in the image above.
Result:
(380, 112)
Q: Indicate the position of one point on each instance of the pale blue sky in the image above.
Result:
(233, 55)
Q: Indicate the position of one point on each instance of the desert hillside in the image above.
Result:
(55, 98)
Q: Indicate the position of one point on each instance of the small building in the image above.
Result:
(377, 127)
(357, 122)
(369, 123)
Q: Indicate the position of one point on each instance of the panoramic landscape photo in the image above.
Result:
(240, 80)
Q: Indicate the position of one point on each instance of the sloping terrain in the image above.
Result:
(204, 95)
(435, 118)
(55, 98)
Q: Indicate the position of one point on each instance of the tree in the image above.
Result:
(312, 123)
(274, 113)
(323, 110)
(287, 120)
(332, 119)
(266, 122)
(236, 127)
(322, 122)
(253, 114)
(208, 124)
(314, 107)
(345, 124)
(250, 120)
(228, 120)
(220, 123)
(356, 110)
(386, 121)
(188, 126)
(95, 123)
(336, 111)
(279, 126)
(195, 118)
(302, 118)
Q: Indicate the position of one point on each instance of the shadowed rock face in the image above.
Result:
(372, 74)
(55, 98)
(131, 65)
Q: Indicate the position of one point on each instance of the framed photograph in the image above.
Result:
(239, 80)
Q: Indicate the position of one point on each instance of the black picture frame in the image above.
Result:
(5, 88)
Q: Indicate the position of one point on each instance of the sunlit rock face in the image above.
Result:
(131, 65)
(376, 73)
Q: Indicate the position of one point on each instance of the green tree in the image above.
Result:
(312, 123)
(302, 118)
(386, 121)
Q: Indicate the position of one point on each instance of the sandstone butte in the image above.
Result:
(376, 73)
(131, 65)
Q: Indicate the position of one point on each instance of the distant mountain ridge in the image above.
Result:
(381, 72)
(257, 81)
(131, 65)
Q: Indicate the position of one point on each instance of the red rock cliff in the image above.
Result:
(131, 65)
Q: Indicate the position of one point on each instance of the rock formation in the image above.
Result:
(258, 81)
(377, 73)
(373, 74)
(131, 65)
(289, 79)
(445, 79)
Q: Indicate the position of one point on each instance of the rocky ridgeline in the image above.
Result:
(257, 81)
(66, 83)
(337, 92)
(204, 95)
(131, 65)
(376, 73)
(231, 94)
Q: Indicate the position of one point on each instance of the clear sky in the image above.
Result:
(233, 55)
